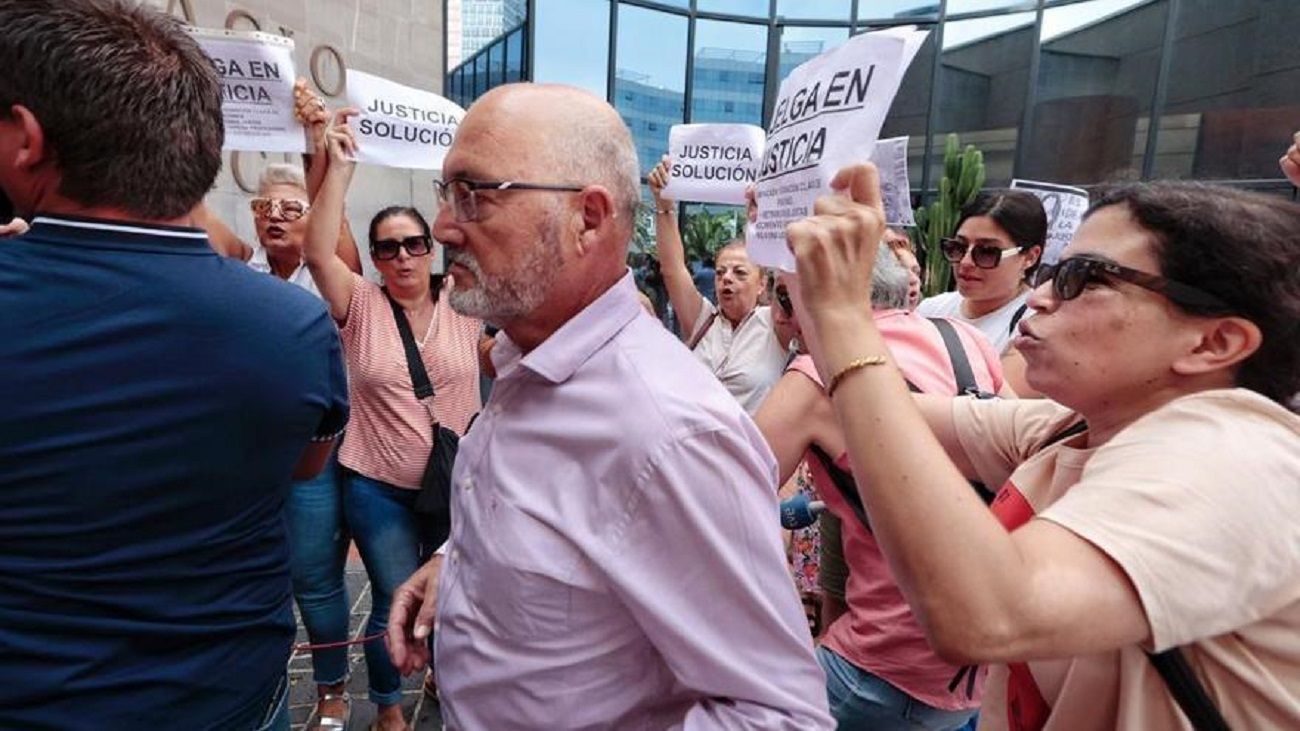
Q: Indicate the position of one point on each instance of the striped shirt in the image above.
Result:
(389, 436)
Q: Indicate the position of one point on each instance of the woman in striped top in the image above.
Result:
(391, 434)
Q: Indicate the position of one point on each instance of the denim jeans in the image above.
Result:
(860, 700)
(318, 542)
(384, 525)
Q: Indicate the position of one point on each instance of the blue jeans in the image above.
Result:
(860, 700)
(318, 542)
(387, 532)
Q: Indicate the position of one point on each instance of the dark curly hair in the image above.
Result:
(1242, 247)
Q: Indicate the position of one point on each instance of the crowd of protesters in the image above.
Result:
(197, 428)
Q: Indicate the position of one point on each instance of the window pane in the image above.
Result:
(730, 60)
(1096, 76)
(480, 75)
(963, 7)
(1232, 101)
(814, 9)
(571, 42)
(798, 44)
(515, 56)
(754, 8)
(496, 64)
(650, 77)
(889, 9)
(983, 78)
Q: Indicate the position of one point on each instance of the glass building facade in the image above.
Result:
(1069, 91)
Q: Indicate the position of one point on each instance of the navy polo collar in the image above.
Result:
(122, 235)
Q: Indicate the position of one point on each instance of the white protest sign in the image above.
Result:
(712, 163)
(399, 126)
(828, 115)
(1065, 207)
(890, 157)
(257, 75)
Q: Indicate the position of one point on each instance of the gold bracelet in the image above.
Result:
(856, 365)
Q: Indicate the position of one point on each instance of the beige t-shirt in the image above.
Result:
(1199, 503)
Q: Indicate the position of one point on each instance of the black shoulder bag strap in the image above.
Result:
(966, 385)
(1187, 690)
(1015, 319)
(414, 363)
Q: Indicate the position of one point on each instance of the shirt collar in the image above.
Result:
(114, 234)
(561, 354)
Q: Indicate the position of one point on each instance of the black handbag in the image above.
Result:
(433, 502)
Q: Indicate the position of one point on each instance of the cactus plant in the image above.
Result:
(963, 176)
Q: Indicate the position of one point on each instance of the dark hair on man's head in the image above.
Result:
(1020, 214)
(1242, 247)
(129, 104)
(392, 211)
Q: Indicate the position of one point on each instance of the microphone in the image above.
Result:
(800, 512)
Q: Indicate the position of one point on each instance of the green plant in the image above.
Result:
(704, 233)
(963, 176)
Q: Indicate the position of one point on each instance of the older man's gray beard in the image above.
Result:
(501, 298)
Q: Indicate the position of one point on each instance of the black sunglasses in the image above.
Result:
(385, 249)
(984, 256)
(1070, 276)
(783, 300)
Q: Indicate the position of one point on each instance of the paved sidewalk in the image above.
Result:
(421, 712)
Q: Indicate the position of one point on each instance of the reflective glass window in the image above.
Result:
(983, 80)
(480, 74)
(813, 9)
(1232, 101)
(515, 56)
(496, 64)
(1096, 77)
(963, 7)
(754, 8)
(571, 43)
(730, 62)
(801, 43)
(650, 77)
(890, 9)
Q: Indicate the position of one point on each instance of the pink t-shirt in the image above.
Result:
(389, 435)
(879, 632)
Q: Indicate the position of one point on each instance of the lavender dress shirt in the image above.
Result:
(615, 559)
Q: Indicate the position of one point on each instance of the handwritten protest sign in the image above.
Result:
(399, 126)
(890, 157)
(257, 76)
(712, 163)
(1065, 207)
(828, 115)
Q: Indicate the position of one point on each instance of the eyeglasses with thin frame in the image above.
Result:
(291, 209)
(984, 256)
(462, 193)
(385, 249)
(1069, 278)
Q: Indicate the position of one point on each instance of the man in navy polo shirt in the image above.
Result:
(155, 399)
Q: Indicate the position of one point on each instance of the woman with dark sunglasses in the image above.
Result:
(1000, 235)
(1149, 507)
(390, 434)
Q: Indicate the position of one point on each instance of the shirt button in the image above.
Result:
(496, 408)
(467, 483)
(455, 554)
